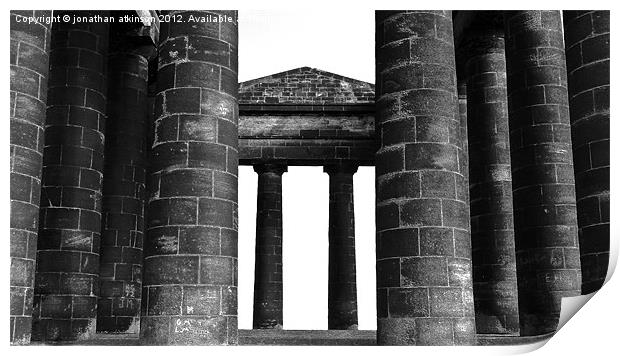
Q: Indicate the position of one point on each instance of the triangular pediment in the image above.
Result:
(306, 85)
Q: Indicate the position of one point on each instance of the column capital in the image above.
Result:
(270, 168)
(340, 168)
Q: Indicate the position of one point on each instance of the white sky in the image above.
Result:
(339, 41)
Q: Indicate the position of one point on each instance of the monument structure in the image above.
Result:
(488, 131)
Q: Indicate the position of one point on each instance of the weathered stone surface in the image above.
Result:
(492, 234)
(542, 167)
(123, 195)
(307, 152)
(306, 125)
(305, 86)
(193, 185)
(586, 34)
(268, 293)
(66, 286)
(30, 45)
(424, 155)
(306, 116)
(342, 287)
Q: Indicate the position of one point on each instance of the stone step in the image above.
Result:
(300, 338)
(308, 337)
(358, 338)
(499, 339)
(100, 339)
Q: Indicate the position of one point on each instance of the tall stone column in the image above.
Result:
(268, 298)
(342, 287)
(492, 235)
(30, 45)
(190, 265)
(66, 286)
(464, 164)
(424, 283)
(587, 59)
(118, 308)
(543, 183)
(464, 149)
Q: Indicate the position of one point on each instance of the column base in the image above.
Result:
(63, 329)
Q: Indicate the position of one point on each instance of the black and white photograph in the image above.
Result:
(286, 174)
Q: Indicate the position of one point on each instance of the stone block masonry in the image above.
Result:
(268, 297)
(586, 34)
(492, 235)
(118, 308)
(543, 181)
(424, 281)
(126, 140)
(306, 86)
(342, 285)
(66, 286)
(190, 268)
(30, 45)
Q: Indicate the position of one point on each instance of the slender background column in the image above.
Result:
(190, 265)
(424, 284)
(118, 308)
(545, 215)
(492, 235)
(464, 145)
(268, 298)
(587, 59)
(30, 45)
(66, 286)
(342, 287)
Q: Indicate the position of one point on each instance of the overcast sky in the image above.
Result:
(338, 41)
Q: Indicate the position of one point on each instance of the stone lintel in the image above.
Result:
(302, 152)
(301, 108)
(307, 139)
(307, 126)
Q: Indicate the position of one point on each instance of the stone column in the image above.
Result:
(30, 45)
(190, 266)
(492, 234)
(118, 307)
(543, 182)
(464, 165)
(424, 283)
(268, 296)
(66, 286)
(342, 288)
(587, 60)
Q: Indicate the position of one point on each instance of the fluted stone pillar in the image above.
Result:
(30, 43)
(587, 59)
(342, 287)
(424, 283)
(190, 268)
(543, 182)
(66, 286)
(268, 298)
(492, 235)
(120, 288)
